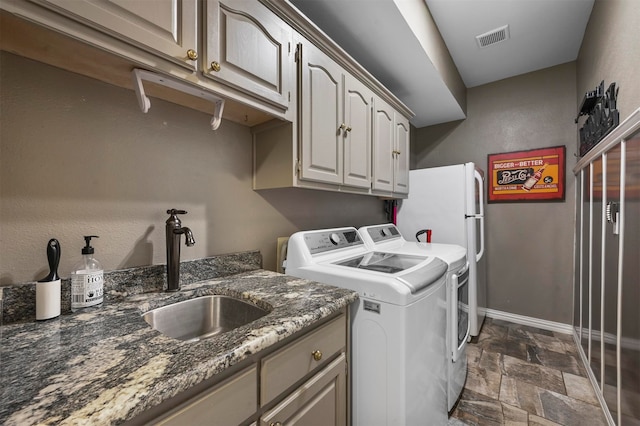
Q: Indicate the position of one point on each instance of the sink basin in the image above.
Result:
(202, 317)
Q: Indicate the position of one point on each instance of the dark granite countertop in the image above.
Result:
(105, 365)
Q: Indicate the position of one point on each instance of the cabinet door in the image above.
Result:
(320, 401)
(383, 146)
(321, 101)
(167, 28)
(248, 47)
(358, 101)
(401, 174)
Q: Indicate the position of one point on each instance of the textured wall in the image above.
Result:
(611, 52)
(78, 157)
(529, 245)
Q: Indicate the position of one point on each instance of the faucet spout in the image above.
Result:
(188, 236)
(174, 229)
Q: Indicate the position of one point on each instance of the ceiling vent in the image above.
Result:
(493, 37)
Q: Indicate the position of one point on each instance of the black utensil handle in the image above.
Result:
(53, 256)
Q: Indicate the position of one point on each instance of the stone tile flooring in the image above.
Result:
(520, 375)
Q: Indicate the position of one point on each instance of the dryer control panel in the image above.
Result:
(381, 233)
(334, 239)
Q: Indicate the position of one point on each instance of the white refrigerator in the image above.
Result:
(450, 202)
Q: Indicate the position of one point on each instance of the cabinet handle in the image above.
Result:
(192, 54)
(215, 66)
(317, 355)
(275, 424)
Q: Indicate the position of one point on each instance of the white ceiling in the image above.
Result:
(543, 33)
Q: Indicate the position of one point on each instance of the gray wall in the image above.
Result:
(611, 52)
(529, 245)
(78, 157)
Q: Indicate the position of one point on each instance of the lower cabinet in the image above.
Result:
(319, 401)
(303, 381)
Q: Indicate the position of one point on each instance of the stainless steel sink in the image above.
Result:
(202, 317)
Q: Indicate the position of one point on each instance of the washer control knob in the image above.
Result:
(334, 238)
(384, 232)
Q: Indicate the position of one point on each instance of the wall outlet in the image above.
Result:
(281, 253)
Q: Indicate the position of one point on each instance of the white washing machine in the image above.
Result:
(387, 238)
(398, 325)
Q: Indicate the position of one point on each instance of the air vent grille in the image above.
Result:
(493, 37)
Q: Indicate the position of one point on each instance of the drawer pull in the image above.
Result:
(275, 424)
(317, 355)
(192, 54)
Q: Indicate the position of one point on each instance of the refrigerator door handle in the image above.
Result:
(478, 177)
(455, 304)
(480, 253)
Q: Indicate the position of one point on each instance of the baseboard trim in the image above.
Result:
(530, 321)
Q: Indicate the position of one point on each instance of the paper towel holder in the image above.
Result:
(143, 101)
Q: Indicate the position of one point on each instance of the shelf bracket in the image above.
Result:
(143, 101)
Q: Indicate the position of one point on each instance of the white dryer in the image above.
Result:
(398, 325)
(387, 238)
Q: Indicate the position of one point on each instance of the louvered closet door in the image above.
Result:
(606, 316)
(629, 367)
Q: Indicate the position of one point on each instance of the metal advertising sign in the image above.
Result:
(534, 175)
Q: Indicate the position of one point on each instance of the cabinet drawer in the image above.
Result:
(230, 403)
(290, 364)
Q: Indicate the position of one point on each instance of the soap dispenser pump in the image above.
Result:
(87, 279)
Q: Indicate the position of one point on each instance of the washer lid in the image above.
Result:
(390, 263)
(415, 272)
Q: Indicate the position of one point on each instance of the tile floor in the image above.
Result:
(520, 375)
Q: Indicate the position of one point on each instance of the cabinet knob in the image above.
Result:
(192, 54)
(317, 355)
(215, 66)
(275, 424)
(342, 127)
(348, 129)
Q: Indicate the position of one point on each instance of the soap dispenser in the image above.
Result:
(87, 279)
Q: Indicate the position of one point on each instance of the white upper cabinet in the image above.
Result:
(247, 46)
(319, 120)
(383, 146)
(335, 122)
(390, 149)
(357, 138)
(168, 28)
(321, 100)
(401, 155)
